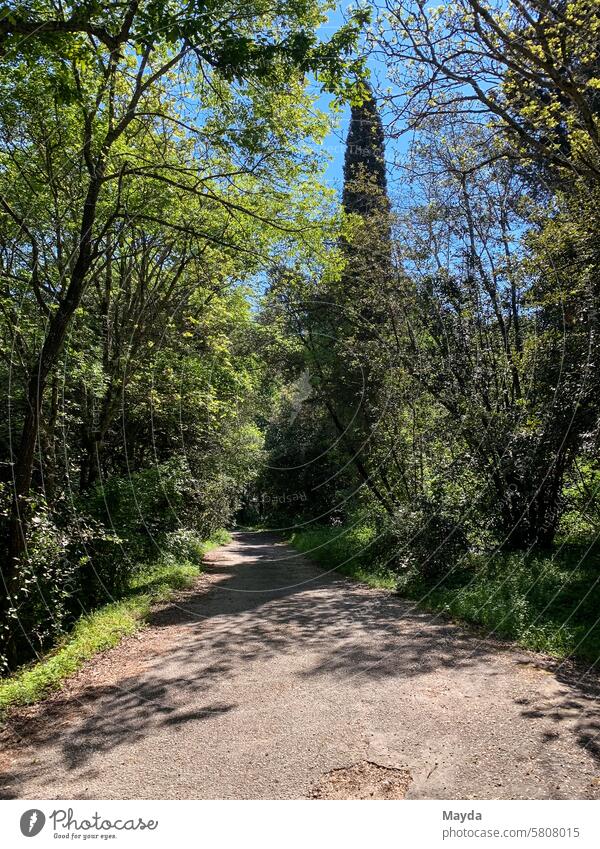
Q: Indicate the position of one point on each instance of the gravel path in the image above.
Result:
(273, 680)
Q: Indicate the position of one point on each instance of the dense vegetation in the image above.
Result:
(448, 442)
(156, 160)
(193, 329)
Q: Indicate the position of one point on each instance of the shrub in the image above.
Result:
(427, 538)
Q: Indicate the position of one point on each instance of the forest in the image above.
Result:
(201, 330)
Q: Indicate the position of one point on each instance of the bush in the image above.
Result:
(86, 554)
(133, 517)
(186, 546)
(427, 539)
(51, 579)
(545, 602)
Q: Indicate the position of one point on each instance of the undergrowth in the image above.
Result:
(101, 629)
(547, 602)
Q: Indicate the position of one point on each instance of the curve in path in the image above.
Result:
(270, 675)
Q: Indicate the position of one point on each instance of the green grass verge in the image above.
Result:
(350, 551)
(104, 628)
(544, 602)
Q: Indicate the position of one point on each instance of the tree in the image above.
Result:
(108, 163)
(528, 67)
(365, 179)
(483, 343)
(345, 328)
(522, 77)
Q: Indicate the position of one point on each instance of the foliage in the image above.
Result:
(364, 159)
(155, 162)
(193, 328)
(452, 347)
(529, 69)
(106, 627)
(545, 603)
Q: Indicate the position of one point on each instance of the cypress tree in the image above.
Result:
(348, 323)
(365, 181)
(369, 255)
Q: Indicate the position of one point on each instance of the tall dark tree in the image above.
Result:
(368, 271)
(365, 180)
(349, 322)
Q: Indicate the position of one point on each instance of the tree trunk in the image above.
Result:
(46, 360)
(532, 518)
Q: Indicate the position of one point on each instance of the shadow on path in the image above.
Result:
(257, 602)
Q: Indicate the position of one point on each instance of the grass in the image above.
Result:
(104, 628)
(547, 602)
(350, 551)
(544, 602)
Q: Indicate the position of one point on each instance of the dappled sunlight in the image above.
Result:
(266, 633)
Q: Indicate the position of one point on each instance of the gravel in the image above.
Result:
(273, 679)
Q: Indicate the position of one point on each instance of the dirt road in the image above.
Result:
(273, 680)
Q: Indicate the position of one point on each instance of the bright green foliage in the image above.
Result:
(546, 604)
(354, 551)
(253, 39)
(194, 329)
(157, 161)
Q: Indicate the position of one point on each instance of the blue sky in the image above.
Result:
(335, 143)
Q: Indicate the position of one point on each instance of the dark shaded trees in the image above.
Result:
(486, 343)
(345, 329)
